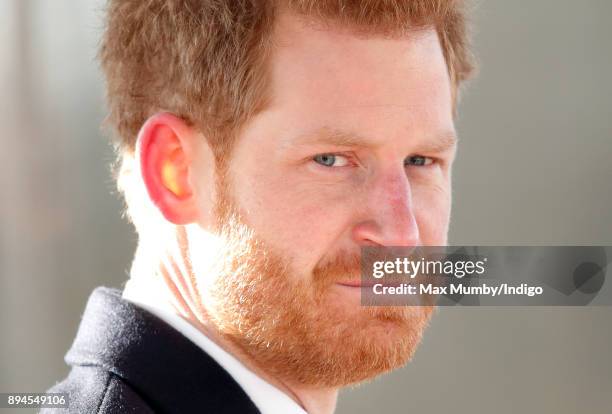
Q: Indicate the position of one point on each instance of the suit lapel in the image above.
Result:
(164, 367)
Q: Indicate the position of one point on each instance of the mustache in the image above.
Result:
(341, 267)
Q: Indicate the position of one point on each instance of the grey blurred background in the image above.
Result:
(534, 168)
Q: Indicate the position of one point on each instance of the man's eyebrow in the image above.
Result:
(329, 136)
(440, 143)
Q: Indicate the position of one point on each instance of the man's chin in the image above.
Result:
(368, 341)
(378, 349)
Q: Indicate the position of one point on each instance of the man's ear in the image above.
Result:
(164, 148)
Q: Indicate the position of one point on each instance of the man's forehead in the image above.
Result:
(329, 86)
(344, 69)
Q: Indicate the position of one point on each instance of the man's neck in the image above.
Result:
(172, 284)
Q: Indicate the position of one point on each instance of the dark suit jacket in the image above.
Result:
(125, 360)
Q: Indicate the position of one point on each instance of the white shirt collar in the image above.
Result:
(267, 398)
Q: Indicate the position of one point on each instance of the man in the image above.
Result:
(262, 145)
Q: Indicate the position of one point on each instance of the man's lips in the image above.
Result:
(357, 283)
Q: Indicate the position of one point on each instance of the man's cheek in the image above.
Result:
(312, 227)
(289, 223)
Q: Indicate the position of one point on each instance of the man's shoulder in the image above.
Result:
(92, 389)
(126, 360)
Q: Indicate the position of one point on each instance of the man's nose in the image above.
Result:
(390, 218)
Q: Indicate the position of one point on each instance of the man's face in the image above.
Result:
(354, 149)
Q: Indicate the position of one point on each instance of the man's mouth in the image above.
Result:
(356, 283)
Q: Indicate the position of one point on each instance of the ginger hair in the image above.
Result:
(205, 60)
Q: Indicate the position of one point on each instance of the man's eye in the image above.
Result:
(331, 160)
(418, 161)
